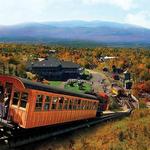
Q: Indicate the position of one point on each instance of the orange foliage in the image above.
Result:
(142, 87)
(141, 66)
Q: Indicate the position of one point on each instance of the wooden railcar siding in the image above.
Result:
(55, 116)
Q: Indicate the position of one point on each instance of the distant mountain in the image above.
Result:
(95, 32)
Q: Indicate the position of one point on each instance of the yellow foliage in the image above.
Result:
(131, 133)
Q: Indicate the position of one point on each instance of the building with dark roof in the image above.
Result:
(55, 69)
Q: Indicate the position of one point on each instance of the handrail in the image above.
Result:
(1, 111)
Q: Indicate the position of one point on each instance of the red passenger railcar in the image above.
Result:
(31, 104)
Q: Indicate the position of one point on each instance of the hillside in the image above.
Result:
(129, 133)
(76, 32)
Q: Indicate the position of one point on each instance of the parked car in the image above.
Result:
(105, 69)
(115, 77)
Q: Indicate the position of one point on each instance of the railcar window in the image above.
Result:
(94, 105)
(24, 99)
(39, 101)
(54, 102)
(71, 104)
(97, 106)
(75, 104)
(84, 105)
(16, 98)
(47, 103)
(61, 100)
(78, 104)
(88, 105)
(66, 101)
(81, 105)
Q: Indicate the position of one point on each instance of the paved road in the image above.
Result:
(100, 82)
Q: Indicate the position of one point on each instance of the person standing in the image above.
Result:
(6, 103)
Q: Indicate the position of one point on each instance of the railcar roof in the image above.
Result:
(39, 86)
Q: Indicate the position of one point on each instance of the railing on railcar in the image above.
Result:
(4, 105)
(2, 108)
(4, 119)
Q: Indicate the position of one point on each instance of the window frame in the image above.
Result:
(60, 103)
(71, 103)
(79, 104)
(15, 91)
(54, 103)
(47, 103)
(66, 103)
(84, 104)
(40, 101)
(23, 100)
(75, 104)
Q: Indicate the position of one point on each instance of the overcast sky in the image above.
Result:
(124, 11)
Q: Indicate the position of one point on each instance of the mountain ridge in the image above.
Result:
(94, 31)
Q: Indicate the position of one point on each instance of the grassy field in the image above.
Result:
(86, 72)
(55, 83)
(86, 88)
(75, 88)
(131, 133)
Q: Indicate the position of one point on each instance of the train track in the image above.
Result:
(10, 139)
(126, 101)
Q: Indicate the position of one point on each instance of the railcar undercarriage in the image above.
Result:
(13, 136)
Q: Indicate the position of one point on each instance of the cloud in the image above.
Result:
(123, 4)
(17, 11)
(141, 18)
